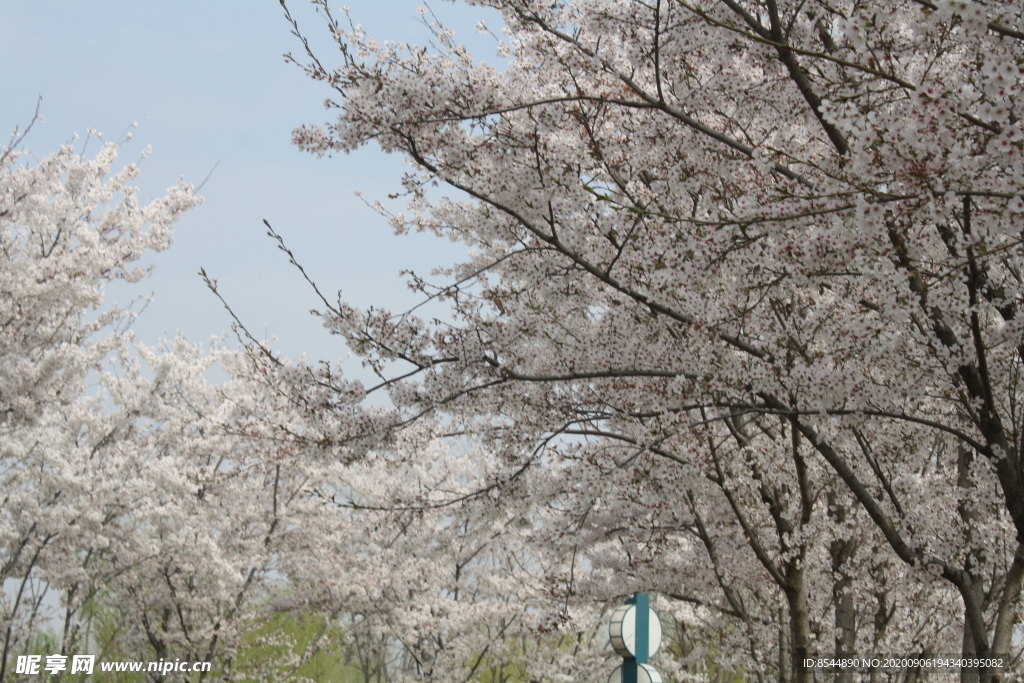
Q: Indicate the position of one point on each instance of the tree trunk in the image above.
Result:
(846, 632)
(1010, 596)
(799, 623)
(784, 650)
(842, 550)
(968, 675)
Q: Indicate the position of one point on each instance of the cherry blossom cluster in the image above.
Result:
(743, 298)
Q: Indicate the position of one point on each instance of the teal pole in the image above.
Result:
(630, 668)
(643, 628)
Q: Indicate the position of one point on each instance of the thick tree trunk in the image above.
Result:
(968, 675)
(846, 631)
(799, 623)
(1006, 617)
(784, 650)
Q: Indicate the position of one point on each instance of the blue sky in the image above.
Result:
(206, 82)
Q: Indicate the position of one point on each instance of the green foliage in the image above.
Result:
(510, 668)
(283, 647)
(296, 647)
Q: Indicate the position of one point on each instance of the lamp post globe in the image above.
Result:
(622, 631)
(644, 674)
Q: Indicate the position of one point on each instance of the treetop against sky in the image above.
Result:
(207, 86)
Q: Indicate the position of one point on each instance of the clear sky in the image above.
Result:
(206, 82)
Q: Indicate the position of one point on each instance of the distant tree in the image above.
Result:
(67, 228)
(758, 266)
(150, 514)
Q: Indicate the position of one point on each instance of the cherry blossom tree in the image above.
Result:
(151, 514)
(136, 524)
(68, 226)
(759, 259)
(399, 539)
(140, 519)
